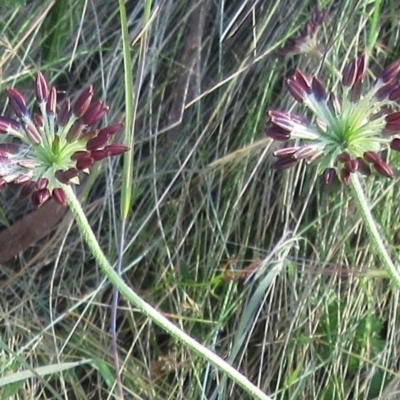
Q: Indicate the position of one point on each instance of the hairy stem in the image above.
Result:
(374, 234)
(150, 311)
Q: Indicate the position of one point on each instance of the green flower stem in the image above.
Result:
(147, 309)
(372, 229)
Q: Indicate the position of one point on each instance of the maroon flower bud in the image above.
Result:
(95, 113)
(42, 183)
(299, 86)
(385, 91)
(41, 88)
(345, 176)
(32, 133)
(66, 176)
(84, 162)
(350, 74)
(109, 151)
(318, 89)
(372, 157)
(343, 157)
(39, 197)
(393, 122)
(79, 154)
(385, 169)
(351, 166)
(395, 94)
(304, 152)
(112, 129)
(9, 148)
(52, 102)
(59, 196)
(75, 132)
(97, 142)
(38, 120)
(395, 144)
(116, 149)
(8, 124)
(277, 133)
(281, 119)
(23, 178)
(390, 72)
(64, 114)
(18, 103)
(83, 102)
(329, 176)
(285, 152)
(355, 91)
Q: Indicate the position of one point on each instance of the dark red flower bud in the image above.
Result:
(372, 157)
(393, 122)
(84, 162)
(79, 154)
(103, 136)
(59, 196)
(285, 152)
(64, 114)
(318, 89)
(41, 88)
(52, 101)
(32, 133)
(304, 152)
(329, 176)
(38, 120)
(299, 86)
(390, 72)
(343, 157)
(23, 178)
(282, 119)
(112, 129)
(116, 149)
(39, 197)
(345, 176)
(75, 132)
(95, 113)
(395, 94)
(66, 176)
(42, 183)
(18, 103)
(83, 102)
(385, 169)
(8, 124)
(277, 133)
(395, 145)
(351, 166)
(97, 142)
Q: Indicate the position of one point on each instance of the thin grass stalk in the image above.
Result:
(127, 181)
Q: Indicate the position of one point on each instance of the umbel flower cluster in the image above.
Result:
(49, 148)
(347, 130)
(308, 41)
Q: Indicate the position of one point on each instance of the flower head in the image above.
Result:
(347, 130)
(307, 42)
(51, 147)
